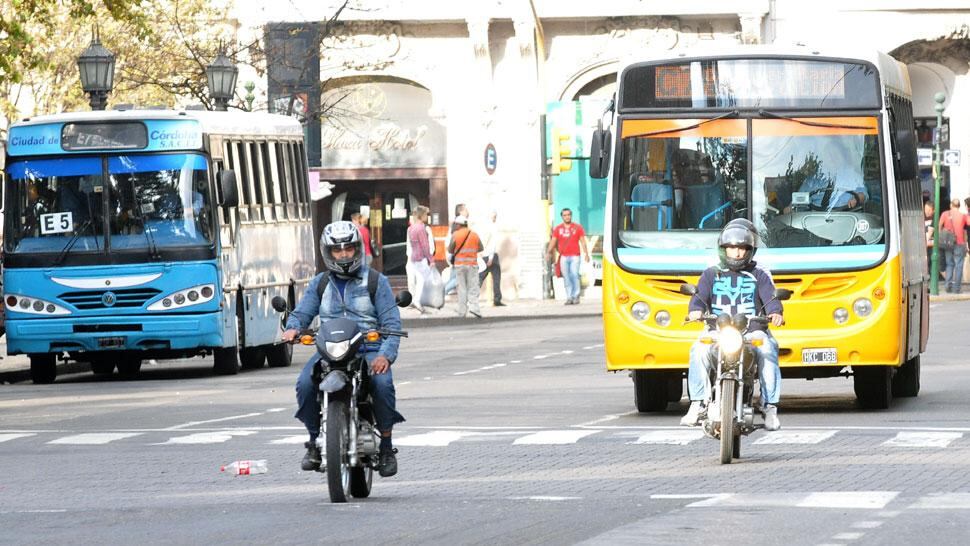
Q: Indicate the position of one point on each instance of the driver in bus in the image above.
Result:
(844, 190)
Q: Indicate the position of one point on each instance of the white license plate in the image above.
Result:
(819, 356)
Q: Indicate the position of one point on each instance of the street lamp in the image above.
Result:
(940, 98)
(97, 67)
(221, 75)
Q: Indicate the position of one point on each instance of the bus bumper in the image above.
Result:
(133, 333)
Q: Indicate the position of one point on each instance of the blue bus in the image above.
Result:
(152, 234)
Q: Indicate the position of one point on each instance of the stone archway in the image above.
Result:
(951, 51)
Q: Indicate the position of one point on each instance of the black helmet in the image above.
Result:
(744, 222)
(736, 234)
(342, 234)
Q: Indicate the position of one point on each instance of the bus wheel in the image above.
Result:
(906, 380)
(226, 361)
(43, 368)
(102, 366)
(649, 391)
(252, 358)
(279, 356)
(873, 386)
(129, 366)
(675, 387)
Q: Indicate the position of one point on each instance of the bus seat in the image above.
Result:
(705, 206)
(651, 206)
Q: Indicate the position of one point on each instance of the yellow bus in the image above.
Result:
(818, 150)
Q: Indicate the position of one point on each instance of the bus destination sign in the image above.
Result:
(104, 136)
(86, 137)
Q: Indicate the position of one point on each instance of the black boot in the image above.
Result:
(312, 459)
(388, 462)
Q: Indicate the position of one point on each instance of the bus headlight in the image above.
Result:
(662, 318)
(730, 341)
(184, 298)
(862, 307)
(640, 310)
(33, 306)
(841, 315)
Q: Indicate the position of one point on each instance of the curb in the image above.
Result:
(950, 297)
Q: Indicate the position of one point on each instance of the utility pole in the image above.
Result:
(940, 98)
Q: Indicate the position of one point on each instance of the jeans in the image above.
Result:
(703, 358)
(381, 390)
(496, 271)
(569, 265)
(467, 289)
(954, 267)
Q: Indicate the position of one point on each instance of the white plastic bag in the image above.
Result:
(433, 288)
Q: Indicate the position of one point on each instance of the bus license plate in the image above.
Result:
(111, 342)
(819, 356)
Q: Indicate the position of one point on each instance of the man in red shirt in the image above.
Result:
(569, 238)
(955, 221)
(361, 222)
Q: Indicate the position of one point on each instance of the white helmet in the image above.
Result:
(342, 235)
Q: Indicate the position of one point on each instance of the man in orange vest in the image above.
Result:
(464, 247)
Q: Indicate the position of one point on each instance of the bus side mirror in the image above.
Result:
(688, 289)
(783, 293)
(906, 163)
(227, 189)
(599, 153)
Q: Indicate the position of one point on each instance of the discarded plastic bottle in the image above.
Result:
(245, 468)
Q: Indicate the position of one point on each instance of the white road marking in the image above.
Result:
(554, 437)
(795, 437)
(8, 437)
(402, 383)
(515, 361)
(848, 536)
(438, 438)
(545, 498)
(540, 357)
(221, 419)
(276, 410)
(923, 439)
(567, 352)
(611, 417)
(93, 438)
(670, 437)
(867, 524)
(290, 440)
(466, 372)
(943, 501)
(867, 500)
(208, 437)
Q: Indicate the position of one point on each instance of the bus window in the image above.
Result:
(303, 175)
(293, 172)
(270, 184)
(283, 163)
(238, 164)
(257, 182)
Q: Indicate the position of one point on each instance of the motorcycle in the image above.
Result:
(349, 437)
(730, 407)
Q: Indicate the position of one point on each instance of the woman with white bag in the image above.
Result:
(420, 252)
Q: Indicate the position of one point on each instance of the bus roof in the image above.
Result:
(893, 73)
(220, 123)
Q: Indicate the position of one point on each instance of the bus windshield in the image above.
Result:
(143, 202)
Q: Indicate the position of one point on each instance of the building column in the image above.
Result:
(751, 27)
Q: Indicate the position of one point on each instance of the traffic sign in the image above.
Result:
(951, 158)
(924, 156)
(491, 158)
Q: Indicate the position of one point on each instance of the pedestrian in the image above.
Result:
(460, 210)
(953, 225)
(420, 254)
(464, 248)
(570, 239)
(360, 221)
(490, 261)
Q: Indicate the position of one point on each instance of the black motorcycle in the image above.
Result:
(730, 407)
(348, 436)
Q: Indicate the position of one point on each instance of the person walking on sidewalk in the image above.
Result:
(465, 246)
(420, 253)
(360, 221)
(954, 221)
(569, 238)
(490, 261)
(461, 209)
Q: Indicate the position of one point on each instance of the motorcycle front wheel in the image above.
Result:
(338, 458)
(728, 392)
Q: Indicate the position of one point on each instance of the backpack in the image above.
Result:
(372, 278)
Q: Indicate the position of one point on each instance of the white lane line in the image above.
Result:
(567, 352)
(669, 437)
(867, 524)
(867, 500)
(554, 437)
(221, 419)
(438, 438)
(923, 439)
(402, 383)
(545, 498)
(290, 440)
(276, 410)
(540, 357)
(588, 347)
(795, 437)
(466, 372)
(208, 437)
(515, 361)
(943, 501)
(848, 536)
(8, 437)
(93, 438)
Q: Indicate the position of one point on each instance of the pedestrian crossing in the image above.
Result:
(896, 440)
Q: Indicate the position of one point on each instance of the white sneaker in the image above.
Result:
(693, 416)
(771, 417)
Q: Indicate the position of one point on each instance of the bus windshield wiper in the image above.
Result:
(731, 114)
(70, 244)
(152, 249)
(773, 115)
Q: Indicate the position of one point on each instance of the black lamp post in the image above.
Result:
(221, 75)
(97, 67)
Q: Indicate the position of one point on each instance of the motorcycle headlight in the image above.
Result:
(730, 340)
(338, 350)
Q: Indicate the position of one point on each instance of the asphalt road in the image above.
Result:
(515, 435)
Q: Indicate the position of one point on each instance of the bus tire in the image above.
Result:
(279, 356)
(226, 361)
(906, 380)
(102, 366)
(649, 391)
(675, 388)
(252, 358)
(43, 368)
(129, 366)
(873, 386)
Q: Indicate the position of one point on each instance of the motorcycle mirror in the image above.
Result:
(403, 298)
(783, 293)
(688, 289)
(279, 304)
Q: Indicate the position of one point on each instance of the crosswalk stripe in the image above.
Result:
(209, 437)
(669, 437)
(795, 437)
(438, 438)
(12, 436)
(290, 440)
(554, 437)
(923, 439)
(868, 500)
(863, 500)
(943, 501)
(93, 438)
